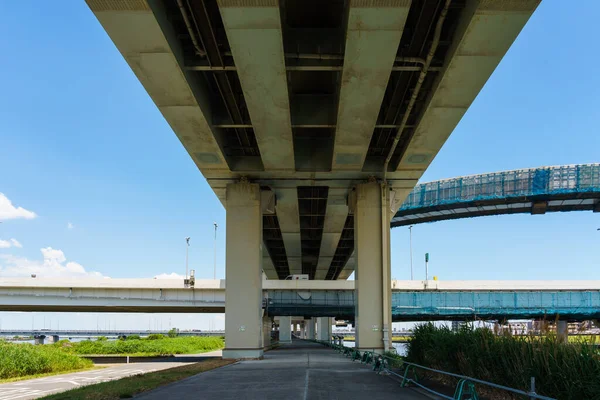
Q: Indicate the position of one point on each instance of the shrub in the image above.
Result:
(18, 360)
(565, 371)
(133, 337)
(173, 332)
(156, 336)
(166, 346)
(101, 338)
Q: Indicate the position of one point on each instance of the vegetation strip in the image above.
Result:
(563, 371)
(155, 345)
(130, 386)
(24, 360)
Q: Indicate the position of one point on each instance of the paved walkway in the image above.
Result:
(40, 387)
(300, 371)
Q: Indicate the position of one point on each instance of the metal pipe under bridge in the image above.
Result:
(411, 300)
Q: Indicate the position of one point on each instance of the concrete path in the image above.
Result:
(300, 371)
(40, 387)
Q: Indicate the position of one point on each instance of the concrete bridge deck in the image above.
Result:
(298, 371)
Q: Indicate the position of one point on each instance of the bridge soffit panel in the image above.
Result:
(152, 52)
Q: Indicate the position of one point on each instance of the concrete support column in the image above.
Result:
(243, 293)
(303, 330)
(285, 331)
(324, 329)
(310, 329)
(267, 328)
(370, 203)
(562, 331)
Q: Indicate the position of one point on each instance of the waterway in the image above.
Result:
(400, 347)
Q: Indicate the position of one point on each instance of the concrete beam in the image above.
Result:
(372, 39)
(289, 223)
(337, 211)
(253, 29)
(152, 51)
(486, 31)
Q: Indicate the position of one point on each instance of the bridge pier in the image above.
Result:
(310, 329)
(371, 205)
(562, 331)
(39, 339)
(285, 329)
(267, 328)
(243, 293)
(324, 329)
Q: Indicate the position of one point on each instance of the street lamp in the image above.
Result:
(187, 249)
(215, 266)
(411, 260)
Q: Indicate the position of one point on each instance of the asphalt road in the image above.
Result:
(40, 387)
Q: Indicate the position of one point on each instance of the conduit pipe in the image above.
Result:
(422, 75)
(188, 25)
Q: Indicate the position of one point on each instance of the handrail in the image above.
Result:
(531, 394)
(464, 381)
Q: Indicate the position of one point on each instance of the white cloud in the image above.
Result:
(53, 265)
(70, 226)
(8, 211)
(172, 275)
(6, 244)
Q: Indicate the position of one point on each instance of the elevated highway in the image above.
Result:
(535, 191)
(411, 300)
(311, 121)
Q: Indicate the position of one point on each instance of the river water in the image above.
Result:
(400, 347)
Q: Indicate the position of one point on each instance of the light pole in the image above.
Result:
(215, 266)
(426, 266)
(411, 260)
(187, 250)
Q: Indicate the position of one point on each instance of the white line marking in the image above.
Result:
(306, 385)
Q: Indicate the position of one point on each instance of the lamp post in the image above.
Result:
(187, 249)
(215, 265)
(411, 258)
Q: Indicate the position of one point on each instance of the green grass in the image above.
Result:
(129, 387)
(564, 371)
(24, 360)
(144, 347)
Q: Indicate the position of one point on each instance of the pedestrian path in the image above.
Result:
(299, 371)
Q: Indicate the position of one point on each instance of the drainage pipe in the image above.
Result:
(422, 75)
(188, 24)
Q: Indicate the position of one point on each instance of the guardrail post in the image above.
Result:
(532, 387)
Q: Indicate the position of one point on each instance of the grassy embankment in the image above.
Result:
(564, 371)
(29, 361)
(128, 387)
(144, 347)
(20, 360)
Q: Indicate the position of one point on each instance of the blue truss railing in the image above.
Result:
(507, 184)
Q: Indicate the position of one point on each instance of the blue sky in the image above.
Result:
(82, 143)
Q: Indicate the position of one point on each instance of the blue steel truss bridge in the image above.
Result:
(534, 191)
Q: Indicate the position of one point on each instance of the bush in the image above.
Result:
(101, 338)
(156, 336)
(565, 371)
(166, 346)
(18, 360)
(133, 337)
(173, 333)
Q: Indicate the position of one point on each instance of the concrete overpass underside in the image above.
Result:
(311, 120)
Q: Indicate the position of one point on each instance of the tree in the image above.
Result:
(173, 333)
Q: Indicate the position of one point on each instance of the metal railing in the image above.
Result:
(384, 364)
